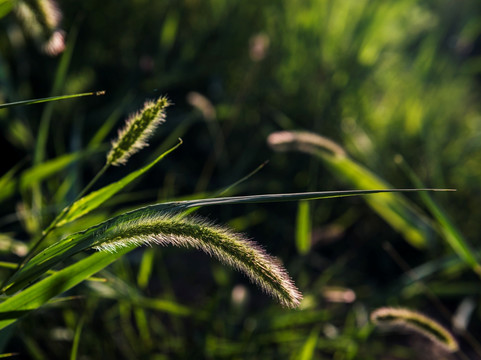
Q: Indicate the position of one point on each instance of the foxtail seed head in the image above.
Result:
(230, 248)
(402, 318)
(303, 141)
(41, 19)
(138, 128)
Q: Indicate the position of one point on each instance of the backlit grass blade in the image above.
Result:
(228, 189)
(40, 293)
(449, 231)
(37, 173)
(8, 181)
(76, 339)
(308, 349)
(145, 269)
(10, 265)
(96, 198)
(48, 168)
(49, 257)
(48, 99)
(271, 198)
(303, 228)
(393, 208)
(5, 7)
(119, 290)
(75, 243)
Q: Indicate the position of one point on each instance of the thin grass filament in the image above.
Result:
(230, 248)
(138, 128)
(402, 318)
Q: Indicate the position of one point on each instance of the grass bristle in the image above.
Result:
(139, 127)
(230, 248)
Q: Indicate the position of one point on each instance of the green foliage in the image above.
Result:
(379, 78)
(93, 200)
(395, 209)
(5, 7)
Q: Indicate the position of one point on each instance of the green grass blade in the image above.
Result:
(393, 208)
(166, 306)
(121, 291)
(5, 7)
(12, 266)
(308, 349)
(303, 228)
(46, 259)
(449, 231)
(244, 178)
(229, 189)
(76, 339)
(48, 99)
(38, 294)
(96, 198)
(44, 170)
(146, 268)
(270, 198)
(8, 181)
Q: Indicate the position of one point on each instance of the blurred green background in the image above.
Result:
(380, 78)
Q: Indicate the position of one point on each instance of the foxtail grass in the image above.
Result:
(402, 318)
(41, 19)
(302, 141)
(138, 128)
(131, 139)
(228, 247)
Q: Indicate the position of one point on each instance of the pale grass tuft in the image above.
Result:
(139, 127)
(201, 103)
(402, 318)
(259, 47)
(56, 44)
(302, 141)
(41, 19)
(230, 248)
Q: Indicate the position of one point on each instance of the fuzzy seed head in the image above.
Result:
(402, 318)
(56, 44)
(302, 141)
(138, 128)
(41, 19)
(230, 248)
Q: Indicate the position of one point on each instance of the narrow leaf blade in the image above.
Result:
(96, 198)
(303, 228)
(48, 99)
(38, 294)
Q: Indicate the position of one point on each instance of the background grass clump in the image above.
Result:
(394, 84)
